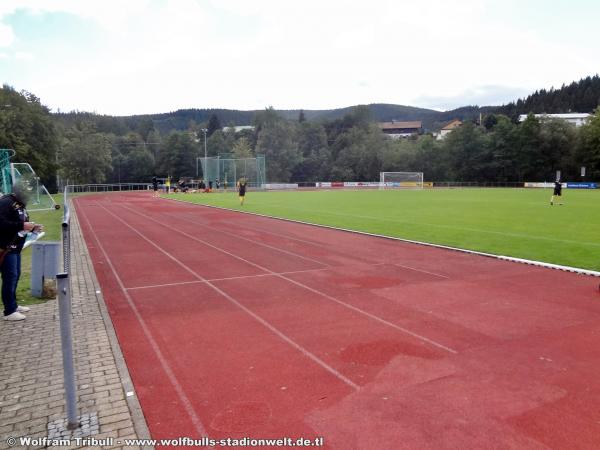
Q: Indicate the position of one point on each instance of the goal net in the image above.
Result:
(39, 199)
(229, 170)
(401, 180)
(22, 174)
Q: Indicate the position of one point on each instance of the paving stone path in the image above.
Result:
(31, 378)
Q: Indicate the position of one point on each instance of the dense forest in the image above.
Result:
(343, 145)
(581, 96)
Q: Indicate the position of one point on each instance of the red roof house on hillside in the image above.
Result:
(396, 130)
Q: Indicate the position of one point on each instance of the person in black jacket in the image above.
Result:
(14, 226)
(557, 192)
(155, 186)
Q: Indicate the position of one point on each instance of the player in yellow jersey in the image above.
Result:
(241, 186)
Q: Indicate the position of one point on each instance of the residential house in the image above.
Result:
(448, 128)
(397, 130)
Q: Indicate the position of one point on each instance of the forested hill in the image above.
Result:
(183, 118)
(581, 96)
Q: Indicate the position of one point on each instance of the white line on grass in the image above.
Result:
(259, 319)
(437, 225)
(291, 280)
(200, 429)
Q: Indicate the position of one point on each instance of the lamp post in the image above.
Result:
(204, 130)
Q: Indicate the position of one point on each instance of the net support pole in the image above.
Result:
(66, 339)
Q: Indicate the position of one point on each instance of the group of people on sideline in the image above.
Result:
(186, 186)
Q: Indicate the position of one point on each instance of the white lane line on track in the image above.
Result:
(287, 252)
(292, 238)
(259, 319)
(304, 286)
(420, 270)
(200, 429)
(241, 277)
(320, 245)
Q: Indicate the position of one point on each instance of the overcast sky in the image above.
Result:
(147, 56)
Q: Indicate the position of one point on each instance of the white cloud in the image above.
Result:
(24, 56)
(7, 36)
(159, 55)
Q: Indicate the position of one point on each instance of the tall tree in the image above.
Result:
(27, 127)
(505, 150)
(178, 155)
(557, 146)
(359, 153)
(530, 156)
(277, 142)
(588, 149)
(468, 153)
(242, 149)
(213, 124)
(145, 127)
(85, 155)
(315, 163)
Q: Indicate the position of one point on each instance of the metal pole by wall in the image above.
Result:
(205, 175)
(66, 338)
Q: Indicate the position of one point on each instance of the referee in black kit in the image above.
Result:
(557, 192)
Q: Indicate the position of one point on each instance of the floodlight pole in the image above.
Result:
(204, 130)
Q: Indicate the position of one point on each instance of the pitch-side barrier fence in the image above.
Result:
(431, 184)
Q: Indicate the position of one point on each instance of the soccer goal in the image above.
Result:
(401, 180)
(11, 174)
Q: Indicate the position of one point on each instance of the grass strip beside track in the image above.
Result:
(52, 221)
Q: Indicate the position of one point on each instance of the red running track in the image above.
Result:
(235, 325)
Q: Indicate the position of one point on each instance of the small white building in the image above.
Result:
(576, 119)
(448, 129)
(238, 128)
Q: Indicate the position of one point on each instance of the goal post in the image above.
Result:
(401, 180)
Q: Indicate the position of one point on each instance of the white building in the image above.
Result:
(448, 129)
(239, 128)
(576, 119)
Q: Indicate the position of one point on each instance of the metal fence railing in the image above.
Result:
(106, 187)
(64, 309)
(66, 234)
(64, 291)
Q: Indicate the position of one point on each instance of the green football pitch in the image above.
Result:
(512, 222)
